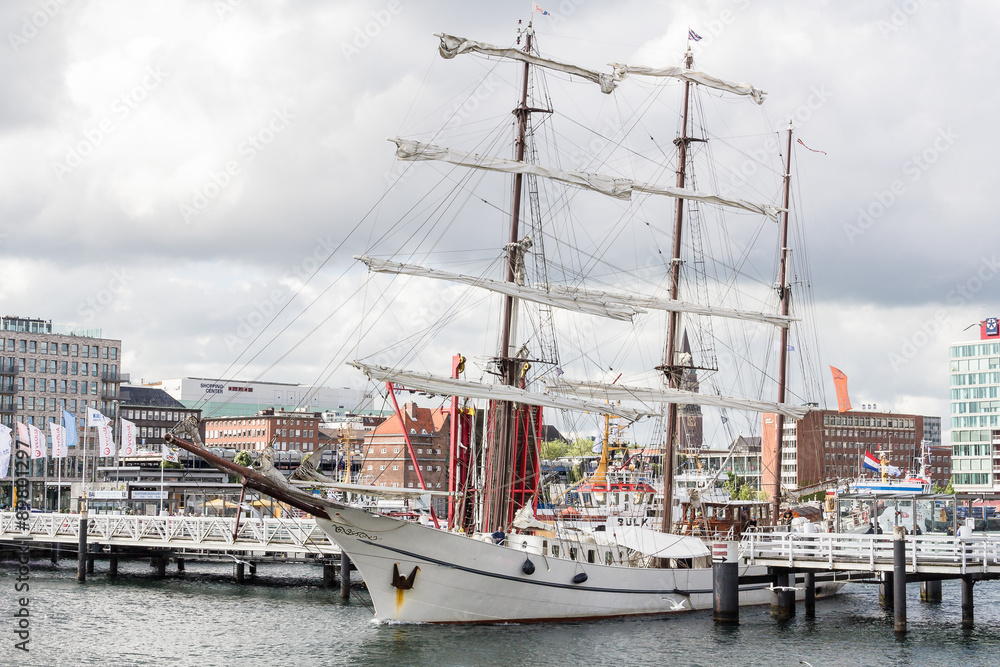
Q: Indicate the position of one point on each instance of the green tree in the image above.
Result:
(242, 458)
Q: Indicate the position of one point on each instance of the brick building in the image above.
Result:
(290, 431)
(826, 444)
(154, 412)
(386, 459)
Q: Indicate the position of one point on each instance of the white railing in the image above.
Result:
(211, 533)
(866, 552)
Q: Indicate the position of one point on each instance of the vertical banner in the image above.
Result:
(840, 382)
(22, 433)
(58, 432)
(106, 445)
(5, 449)
(69, 421)
(95, 418)
(128, 438)
(37, 442)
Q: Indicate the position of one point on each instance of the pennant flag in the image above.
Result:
(37, 442)
(810, 149)
(168, 454)
(128, 439)
(58, 440)
(22, 432)
(5, 447)
(692, 35)
(106, 445)
(541, 11)
(69, 421)
(840, 382)
(95, 418)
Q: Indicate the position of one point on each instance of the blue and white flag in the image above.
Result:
(168, 454)
(69, 421)
(692, 35)
(95, 418)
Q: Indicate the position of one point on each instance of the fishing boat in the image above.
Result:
(491, 560)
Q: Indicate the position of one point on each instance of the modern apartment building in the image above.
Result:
(974, 371)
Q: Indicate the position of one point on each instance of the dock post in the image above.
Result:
(54, 554)
(161, 566)
(329, 574)
(899, 579)
(885, 590)
(253, 569)
(345, 575)
(81, 554)
(180, 564)
(726, 592)
(810, 595)
(113, 562)
(782, 598)
(967, 608)
(240, 573)
(90, 560)
(930, 591)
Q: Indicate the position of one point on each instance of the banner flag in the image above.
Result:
(107, 443)
(37, 441)
(128, 439)
(58, 440)
(95, 418)
(168, 454)
(22, 432)
(840, 382)
(5, 447)
(69, 421)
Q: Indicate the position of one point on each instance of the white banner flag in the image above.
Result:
(5, 447)
(22, 432)
(95, 418)
(37, 440)
(107, 442)
(128, 439)
(59, 448)
(168, 454)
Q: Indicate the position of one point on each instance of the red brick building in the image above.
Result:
(827, 444)
(289, 430)
(386, 459)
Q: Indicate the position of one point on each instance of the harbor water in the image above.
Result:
(285, 617)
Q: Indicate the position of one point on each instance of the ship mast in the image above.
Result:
(673, 372)
(784, 294)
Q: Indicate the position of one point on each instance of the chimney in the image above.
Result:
(411, 411)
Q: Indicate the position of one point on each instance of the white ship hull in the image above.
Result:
(459, 579)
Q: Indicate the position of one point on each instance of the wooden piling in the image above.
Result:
(783, 599)
(81, 554)
(240, 573)
(345, 575)
(885, 597)
(54, 554)
(726, 592)
(180, 564)
(113, 562)
(899, 579)
(329, 575)
(810, 601)
(161, 566)
(967, 607)
(90, 562)
(930, 591)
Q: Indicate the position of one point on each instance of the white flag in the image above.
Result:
(107, 443)
(168, 454)
(95, 418)
(22, 432)
(128, 439)
(59, 448)
(5, 445)
(37, 440)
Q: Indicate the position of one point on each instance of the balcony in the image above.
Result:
(109, 395)
(8, 369)
(7, 409)
(115, 377)
(7, 389)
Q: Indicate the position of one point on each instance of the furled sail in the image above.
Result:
(577, 301)
(758, 95)
(599, 391)
(452, 387)
(640, 301)
(620, 188)
(451, 46)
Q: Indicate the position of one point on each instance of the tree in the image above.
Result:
(242, 458)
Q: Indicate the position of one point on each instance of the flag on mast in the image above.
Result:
(58, 433)
(22, 432)
(69, 421)
(5, 447)
(95, 418)
(693, 36)
(840, 382)
(538, 9)
(106, 443)
(37, 442)
(168, 454)
(128, 439)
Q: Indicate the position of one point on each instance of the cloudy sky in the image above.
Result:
(174, 173)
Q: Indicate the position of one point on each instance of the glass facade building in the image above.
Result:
(974, 369)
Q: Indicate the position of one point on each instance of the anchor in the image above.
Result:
(400, 582)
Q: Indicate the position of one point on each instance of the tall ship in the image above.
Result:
(603, 269)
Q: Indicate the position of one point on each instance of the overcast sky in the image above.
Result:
(174, 171)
